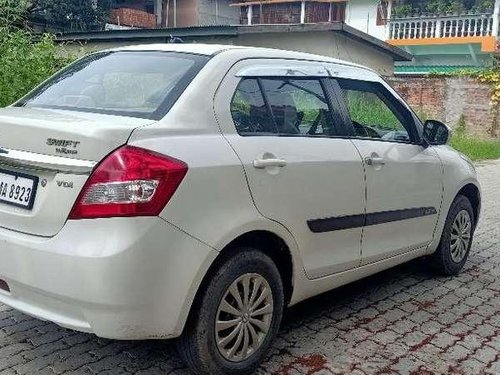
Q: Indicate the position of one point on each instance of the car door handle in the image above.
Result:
(264, 163)
(374, 161)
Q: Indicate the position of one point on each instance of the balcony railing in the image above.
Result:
(442, 27)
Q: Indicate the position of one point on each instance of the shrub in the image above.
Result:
(73, 15)
(25, 59)
(24, 63)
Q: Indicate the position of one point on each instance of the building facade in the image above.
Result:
(369, 16)
(448, 43)
(438, 43)
(149, 14)
(352, 30)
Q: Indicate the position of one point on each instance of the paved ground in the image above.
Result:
(404, 321)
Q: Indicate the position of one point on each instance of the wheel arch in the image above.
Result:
(270, 244)
(473, 194)
(266, 241)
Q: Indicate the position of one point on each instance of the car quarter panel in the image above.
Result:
(213, 202)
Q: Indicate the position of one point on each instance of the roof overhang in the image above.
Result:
(142, 35)
(232, 31)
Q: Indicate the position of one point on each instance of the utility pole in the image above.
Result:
(159, 12)
(175, 13)
(496, 20)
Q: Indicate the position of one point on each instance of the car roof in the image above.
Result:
(201, 49)
(243, 52)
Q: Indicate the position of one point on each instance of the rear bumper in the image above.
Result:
(120, 278)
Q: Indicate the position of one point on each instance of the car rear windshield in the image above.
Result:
(127, 83)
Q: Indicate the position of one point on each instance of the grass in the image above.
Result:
(366, 108)
(476, 149)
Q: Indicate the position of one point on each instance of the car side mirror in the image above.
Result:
(436, 133)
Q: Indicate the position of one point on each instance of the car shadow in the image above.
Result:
(103, 355)
(317, 306)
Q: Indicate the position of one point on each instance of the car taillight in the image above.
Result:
(131, 181)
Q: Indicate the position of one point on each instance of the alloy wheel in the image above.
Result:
(461, 230)
(244, 317)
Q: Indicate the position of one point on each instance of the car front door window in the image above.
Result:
(375, 114)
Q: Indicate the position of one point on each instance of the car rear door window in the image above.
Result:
(282, 106)
(374, 113)
(299, 106)
(249, 110)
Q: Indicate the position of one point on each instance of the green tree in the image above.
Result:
(72, 15)
(415, 7)
(25, 59)
(13, 12)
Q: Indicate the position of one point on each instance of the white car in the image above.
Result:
(195, 191)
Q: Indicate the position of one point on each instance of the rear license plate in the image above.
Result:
(18, 189)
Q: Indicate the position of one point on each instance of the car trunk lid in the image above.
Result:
(51, 152)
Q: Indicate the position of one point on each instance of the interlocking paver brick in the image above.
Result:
(385, 337)
(444, 340)
(472, 366)
(457, 352)
(486, 354)
(402, 321)
(431, 327)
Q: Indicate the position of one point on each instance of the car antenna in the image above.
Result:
(175, 39)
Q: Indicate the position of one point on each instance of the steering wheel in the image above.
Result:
(373, 133)
(365, 131)
(359, 129)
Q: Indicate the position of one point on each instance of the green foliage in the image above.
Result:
(368, 109)
(25, 61)
(407, 8)
(483, 6)
(403, 10)
(13, 12)
(73, 15)
(475, 148)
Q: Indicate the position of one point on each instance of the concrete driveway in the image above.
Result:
(402, 321)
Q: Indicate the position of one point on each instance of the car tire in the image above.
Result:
(206, 346)
(456, 239)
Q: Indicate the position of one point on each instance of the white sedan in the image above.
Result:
(195, 191)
